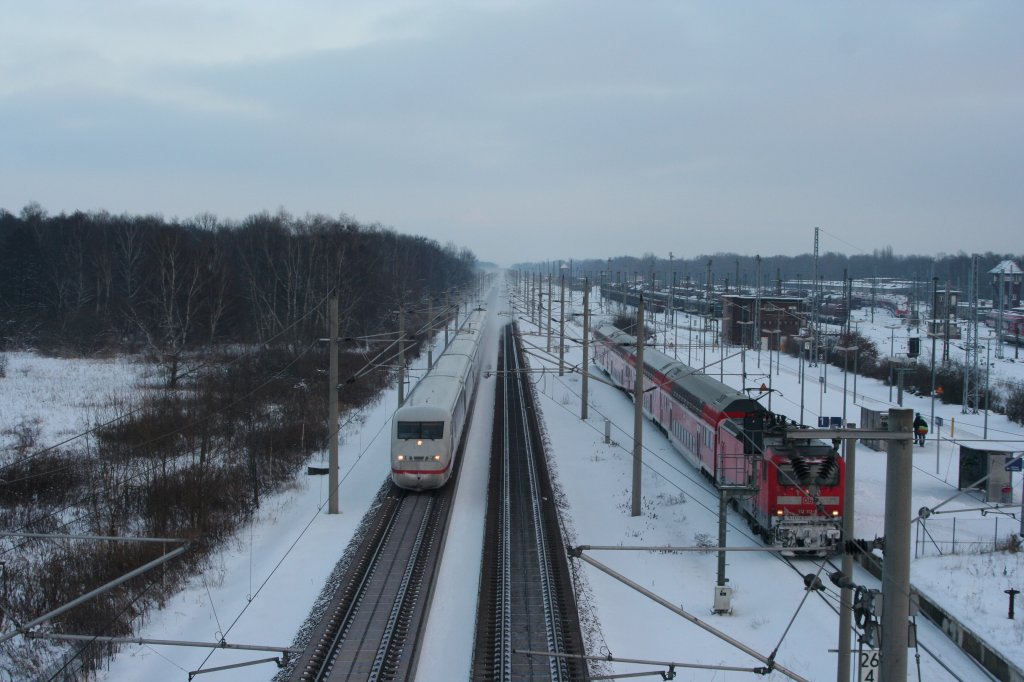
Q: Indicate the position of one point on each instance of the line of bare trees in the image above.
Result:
(86, 282)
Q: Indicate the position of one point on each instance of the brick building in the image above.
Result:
(783, 313)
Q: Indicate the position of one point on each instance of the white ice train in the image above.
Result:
(427, 429)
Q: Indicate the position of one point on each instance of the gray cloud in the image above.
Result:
(534, 130)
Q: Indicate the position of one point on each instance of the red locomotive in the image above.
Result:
(790, 490)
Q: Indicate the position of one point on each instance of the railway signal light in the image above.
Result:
(913, 346)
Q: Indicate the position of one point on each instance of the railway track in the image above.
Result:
(526, 601)
(371, 629)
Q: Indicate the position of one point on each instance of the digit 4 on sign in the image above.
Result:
(869, 664)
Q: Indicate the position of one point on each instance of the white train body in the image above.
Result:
(427, 429)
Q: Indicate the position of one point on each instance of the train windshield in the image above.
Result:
(824, 473)
(420, 430)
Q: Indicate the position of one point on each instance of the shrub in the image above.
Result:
(951, 379)
(192, 463)
(866, 355)
(52, 477)
(1015, 403)
(1011, 545)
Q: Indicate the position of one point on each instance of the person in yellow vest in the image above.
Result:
(920, 429)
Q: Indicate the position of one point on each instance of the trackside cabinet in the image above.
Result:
(878, 420)
(976, 463)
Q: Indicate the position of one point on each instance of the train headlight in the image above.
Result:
(419, 442)
(779, 512)
(401, 458)
(437, 458)
(835, 513)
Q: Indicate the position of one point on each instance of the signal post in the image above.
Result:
(896, 555)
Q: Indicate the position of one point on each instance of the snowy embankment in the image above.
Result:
(259, 589)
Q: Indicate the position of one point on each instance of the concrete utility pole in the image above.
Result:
(707, 295)
(535, 308)
(540, 306)
(401, 355)
(802, 341)
(999, 325)
(846, 594)
(430, 346)
(848, 297)
(586, 346)
(561, 324)
(670, 312)
(332, 402)
(945, 336)
(638, 406)
(548, 313)
(972, 392)
(933, 331)
(447, 315)
(815, 305)
(896, 565)
(757, 311)
(675, 327)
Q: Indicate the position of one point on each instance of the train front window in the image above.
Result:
(420, 430)
(432, 430)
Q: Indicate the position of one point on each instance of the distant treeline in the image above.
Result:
(735, 268)
(83, 282)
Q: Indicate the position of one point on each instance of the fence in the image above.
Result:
(975, 535)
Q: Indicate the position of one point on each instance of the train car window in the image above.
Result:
(420, 430)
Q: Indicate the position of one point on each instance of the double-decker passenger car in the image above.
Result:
(427, 429)
(789, 489)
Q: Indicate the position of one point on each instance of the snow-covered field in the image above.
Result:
(262, 586)
(58, 398)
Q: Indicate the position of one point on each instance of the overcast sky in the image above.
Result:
(532, 130)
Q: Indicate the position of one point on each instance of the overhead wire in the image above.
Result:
(96, 509)
(182, 375)
(133, 411)
(824, 593)
(939, 661)
(701, 486)
(208, 416)
(305, 528)
(122, 482)
(319, 509)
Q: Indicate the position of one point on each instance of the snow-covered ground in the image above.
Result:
(679, 511)
(261, 587)
(57, 399)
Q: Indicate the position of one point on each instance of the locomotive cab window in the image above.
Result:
(420, 430)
